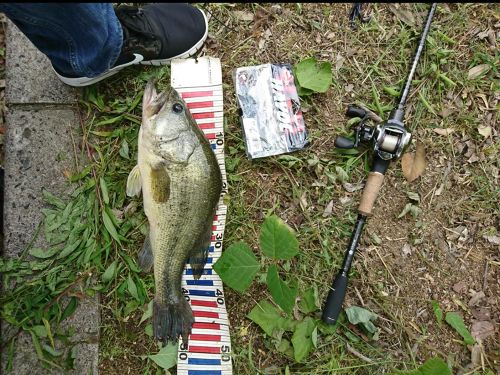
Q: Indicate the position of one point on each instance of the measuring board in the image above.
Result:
(199, 83)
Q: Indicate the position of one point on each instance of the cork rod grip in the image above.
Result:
(370, 192)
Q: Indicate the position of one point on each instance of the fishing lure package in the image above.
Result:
(270, 111)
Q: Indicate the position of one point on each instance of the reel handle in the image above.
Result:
(344, 142)
(353, 111)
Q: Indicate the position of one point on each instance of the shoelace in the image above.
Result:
(135, 28)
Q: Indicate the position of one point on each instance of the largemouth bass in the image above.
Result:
(181, 183)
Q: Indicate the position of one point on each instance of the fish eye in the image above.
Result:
(177, 108)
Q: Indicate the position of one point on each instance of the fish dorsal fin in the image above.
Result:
(134, 182)
(160, 185)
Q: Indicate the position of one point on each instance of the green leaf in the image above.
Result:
(269, 318)
(70, 308)
(40, 331)
(52, 199)
(109, 226)
(357, 315)
(282, 294)
(167, 357)
(302, 340)
(109, 273)
(393, 91)
(307, 303)
(104, 190)
(314, 76)
(51, 351)
(80, 175)
(68, 249)
(124, 150)
(42, 253)
(237, 266)
(456, 321)
(148, 313)
(277, 239)
(148, 330)
(132, 288)
(437, 312)
(435, 366)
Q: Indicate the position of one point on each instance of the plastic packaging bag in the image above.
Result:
(270, 111)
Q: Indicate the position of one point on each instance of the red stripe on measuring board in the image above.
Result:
(199, 83)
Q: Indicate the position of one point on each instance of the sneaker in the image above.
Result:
(153, 35)
(162, 32)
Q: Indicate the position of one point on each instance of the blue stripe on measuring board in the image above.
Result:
(200, 282)
(205, 272)
(207, 293)
(203, 361)
(204, 372)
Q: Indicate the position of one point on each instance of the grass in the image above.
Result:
(299, 187)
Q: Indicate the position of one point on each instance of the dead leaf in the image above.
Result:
(485, 131)
(460, 287)
(445, 112)
(345, 200)
(476, 298)
(413, 164)
(303, 201)
(478, 70)
(482, 313)
(243, 16)
(442, 131)
(352, 187)
(482, 330)
(475, 355)
(493, 239)
(328, 209)
(402, 14)
(406, 250)
(339, 62)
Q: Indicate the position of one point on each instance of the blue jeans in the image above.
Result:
(79, 39)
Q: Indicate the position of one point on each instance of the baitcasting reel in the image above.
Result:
(389, 139)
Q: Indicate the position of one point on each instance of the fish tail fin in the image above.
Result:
(199, 255)
(146, 258)
(171, 320)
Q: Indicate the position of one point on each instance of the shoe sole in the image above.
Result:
(86, 81)
(186, 54)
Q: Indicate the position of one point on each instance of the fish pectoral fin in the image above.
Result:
(160, 185)
(134, 182)
(146, 258)
(199, 254)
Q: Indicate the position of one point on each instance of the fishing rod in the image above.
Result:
(388, 140)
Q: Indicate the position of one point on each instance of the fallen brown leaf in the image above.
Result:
(328, 209)
(476, 298)
(413, 164)
(478, 70)
(482, 330)
(485, 131)
(493, 239)
(442, 131)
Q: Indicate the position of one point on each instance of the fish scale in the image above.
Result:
(199, 83)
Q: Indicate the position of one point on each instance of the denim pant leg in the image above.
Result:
(79, 39)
